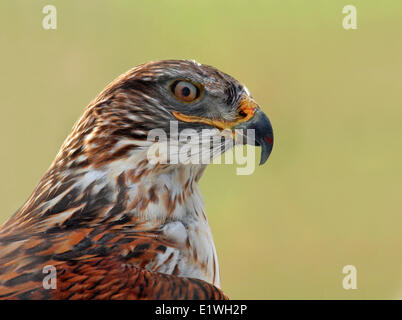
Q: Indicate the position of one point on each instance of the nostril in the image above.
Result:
(242, 114)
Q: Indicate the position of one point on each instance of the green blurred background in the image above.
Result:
(329, 195)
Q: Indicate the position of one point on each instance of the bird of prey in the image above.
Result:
(105, 222)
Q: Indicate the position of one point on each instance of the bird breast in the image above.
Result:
(193, 254)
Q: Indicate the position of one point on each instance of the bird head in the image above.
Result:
(152, 96)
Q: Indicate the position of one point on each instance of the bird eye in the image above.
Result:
(185, 91)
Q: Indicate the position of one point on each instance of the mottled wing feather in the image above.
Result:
(94, 264)
(109, 279)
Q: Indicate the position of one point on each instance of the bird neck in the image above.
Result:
(128, 186)
(159, 192)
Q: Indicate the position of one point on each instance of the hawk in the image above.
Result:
(108, 222)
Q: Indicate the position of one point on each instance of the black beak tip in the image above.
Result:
(266, 144)
(264, 137)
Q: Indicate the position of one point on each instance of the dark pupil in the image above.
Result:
(185, 91)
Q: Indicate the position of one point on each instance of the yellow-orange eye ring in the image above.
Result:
(185, 91)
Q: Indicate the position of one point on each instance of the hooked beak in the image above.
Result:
(264, 136)
(250, 117)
